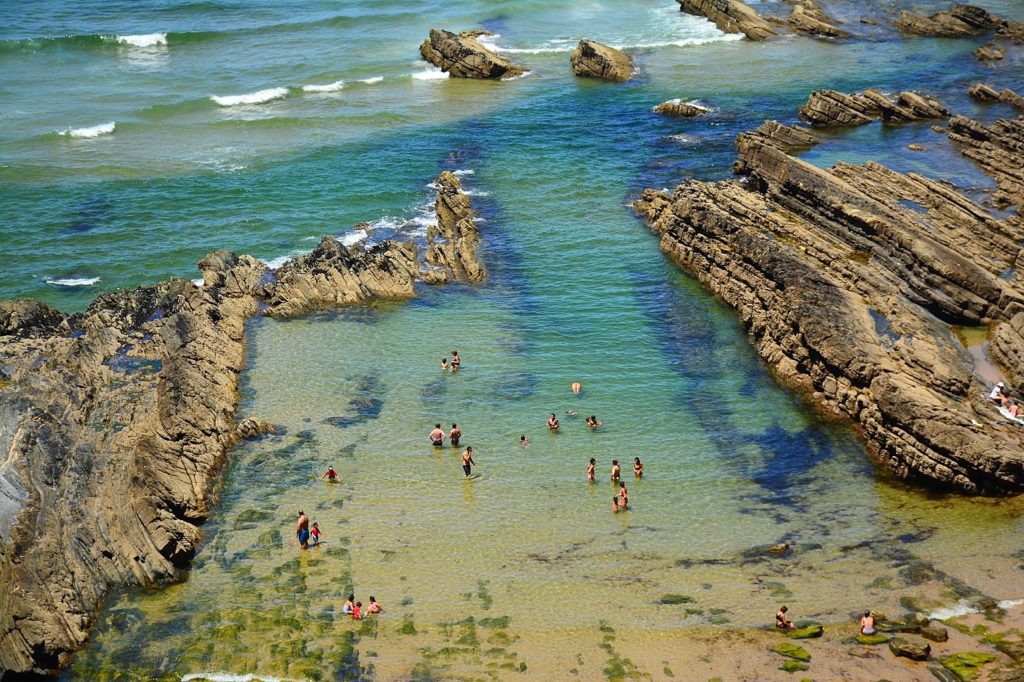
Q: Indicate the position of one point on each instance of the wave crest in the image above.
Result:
(72, 281)
(92, 131)
(329, 87)
(143, 39)
(258, 97)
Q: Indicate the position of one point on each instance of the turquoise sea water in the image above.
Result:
(578, 291)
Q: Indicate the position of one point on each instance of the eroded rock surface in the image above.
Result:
(115, 422)
(957, 22)
(462, 56)
(847, 280)
(833, 108)
(591, 59)
(986, 93)
(809, 19)
(677, 107)
(731, 16)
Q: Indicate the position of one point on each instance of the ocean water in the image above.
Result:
(136, 138)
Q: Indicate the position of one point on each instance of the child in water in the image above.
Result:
(616, 470)
(444, 364)
(314, 534)
(592, 421)
(357, 611)
(590, 469)
(615, 503)
(623, 495)
(349, 605)
(374, 607)
(638, 468)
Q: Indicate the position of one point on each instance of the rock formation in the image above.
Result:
(989, 53)
(986, 93)
(847, 280)
(462, 56)
(455, 253)
(677, 107)
(594, 60)
(832, 108)
(115, 422)
(731, 16)
(958, 22)
(998, 150)
(809, 19)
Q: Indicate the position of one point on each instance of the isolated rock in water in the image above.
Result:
(983, 93)
(677, 107)
(847, 280)
(452, 243)
(250, 427)
(833, 108)
(912, 650)
(594, 60)
(462, 56)
(1012, 31)
(730, 16)
(808, 18)
(117, 422)
(958, 22)
(989, 53)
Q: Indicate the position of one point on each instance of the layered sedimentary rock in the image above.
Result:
(591, 59)
(462, 56)
(986, 93)
(453, 242)
(998, 150)
(115, 422)
(833, 108)
(677, 107)
(957, 22)
(808, 18)
(731, 16)
(847, 280)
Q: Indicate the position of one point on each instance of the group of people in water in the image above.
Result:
(355, 608)
(305, 534)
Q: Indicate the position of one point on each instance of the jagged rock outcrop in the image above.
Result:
(115, 422)
(730, 16)
(989, 53)
(957, 22)
(591, 59)
(986, 93)
(833, 108)
(809, 19)
(453, 242)
(847, 280)
(677, 107)
(998, 150)
(462, 56)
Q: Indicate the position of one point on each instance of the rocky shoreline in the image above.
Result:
(849, 279)
(118, 420)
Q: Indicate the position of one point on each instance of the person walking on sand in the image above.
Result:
(456, 361)
(467, 460)
(623, 495)
(454, 435)
(302, 530)
(590, 469)
(437, 436)
(781, 621)
(638, 468)
(314, 534)
(616, 470)
(576, 387)
(553, 422)
(867, 624)
(331, 475)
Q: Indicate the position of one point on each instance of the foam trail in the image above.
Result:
(258, 97)
(73, 281)
(143, 40)
(330, 87)
(371, 81)
(92, 131)
(431, 73)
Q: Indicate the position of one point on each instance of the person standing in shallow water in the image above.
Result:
(302, 530)
(454, 435)
(638, 468)
(590, 469)
(553, 422)
(456, 361)
(437, 436)
(616, 471)
(467, 460)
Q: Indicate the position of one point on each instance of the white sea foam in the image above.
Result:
(275, 263)
(463, 171)
(92, 131)
(524, 74)
(199, 282)
(353, 237)
(371, 81)
(258, 97)
(73, 281)
(329, 87)
(963, 607)
(143, 40)
(228, 677)
(431, 73)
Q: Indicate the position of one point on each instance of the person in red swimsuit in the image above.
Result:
(331, 475)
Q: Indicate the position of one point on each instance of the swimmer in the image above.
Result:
(302, 530)
(638, 468)
(623, 495)
(314, 534)
(781, 621)
(437, 436)
(331, 475)
(592, 422)
(616, 470)
(522, 441)
(590, 469)
(553, 422)
(467, 460)
(374, 607)
(456, 361)
(454, 435)
(349, 604)
(576, 387)
(867, 624)
(615, 503)
(444, 364)
(571, 413)
(356, 611)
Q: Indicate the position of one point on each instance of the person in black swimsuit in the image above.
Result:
(454, 435)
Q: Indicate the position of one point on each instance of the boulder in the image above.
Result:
(1012, 648)
(677, 107)
(958, 22)
(462, 56)
(872, 640)
(983, 93)
(935, 633)
(912, 650)
(989, 53)
(808, 18)
(965, 665)
(730, 16)
(27, 317)
(591, 59)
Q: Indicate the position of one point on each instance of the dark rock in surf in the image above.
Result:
(462, 56)
(591, 59)
(730, 16)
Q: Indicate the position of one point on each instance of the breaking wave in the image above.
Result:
(258, 97)
(91, 131)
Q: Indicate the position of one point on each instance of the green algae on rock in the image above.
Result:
(966, 665)
(794, 651)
